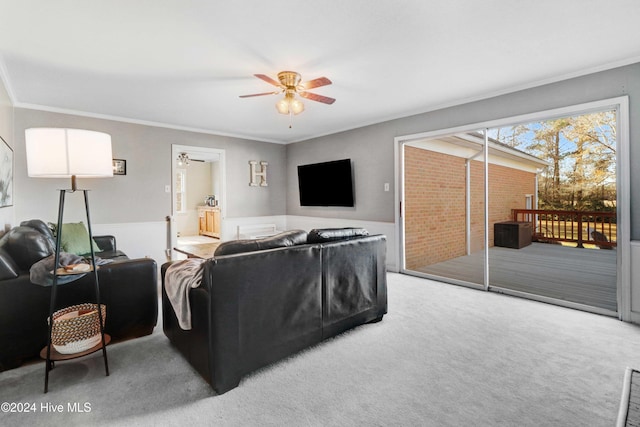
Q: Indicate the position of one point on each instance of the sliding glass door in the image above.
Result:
(537, 216)
(556, 228)
(444, 207)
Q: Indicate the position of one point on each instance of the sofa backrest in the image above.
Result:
(322, 235)
(290, 238)
(24, 246)
(42, 227)
(287, 238)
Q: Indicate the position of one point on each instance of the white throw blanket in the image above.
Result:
(179, 278)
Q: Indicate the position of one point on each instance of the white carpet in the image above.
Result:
(443, 356)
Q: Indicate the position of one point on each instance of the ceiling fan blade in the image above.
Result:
(316, 97)
(321, 81)
(268, 79)
(259, 94)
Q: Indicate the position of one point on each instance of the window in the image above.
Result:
(181, 191)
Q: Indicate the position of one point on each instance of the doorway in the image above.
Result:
(198, 196)
(484, 195)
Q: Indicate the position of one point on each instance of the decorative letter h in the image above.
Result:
(262, 174)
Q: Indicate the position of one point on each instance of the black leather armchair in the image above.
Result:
(128, 288)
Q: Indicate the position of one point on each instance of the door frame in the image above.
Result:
(621, 106)
(195, 151)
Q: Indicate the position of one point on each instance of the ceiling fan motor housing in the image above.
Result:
(290, 79)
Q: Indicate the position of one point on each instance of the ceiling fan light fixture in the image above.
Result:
(283, 106)
(296, 106)
(289, 105)
(183, 159)
(290, 84)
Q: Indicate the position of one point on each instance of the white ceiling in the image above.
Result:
(183, 63)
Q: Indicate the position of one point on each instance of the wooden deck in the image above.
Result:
(583, 276)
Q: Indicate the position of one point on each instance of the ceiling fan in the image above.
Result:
(184, 159)
(290, 84)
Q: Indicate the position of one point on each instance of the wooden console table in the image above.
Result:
(204, 250)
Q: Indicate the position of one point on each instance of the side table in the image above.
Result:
(50, 355)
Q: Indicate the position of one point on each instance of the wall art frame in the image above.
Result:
(119, 167)
(6, 174)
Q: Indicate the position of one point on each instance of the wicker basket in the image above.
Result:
(77, 328)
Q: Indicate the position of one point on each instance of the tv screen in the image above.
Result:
(326, 184)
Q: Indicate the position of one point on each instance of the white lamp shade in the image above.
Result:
(62, 153)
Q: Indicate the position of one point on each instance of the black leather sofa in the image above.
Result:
(290, 292)
(128, 288)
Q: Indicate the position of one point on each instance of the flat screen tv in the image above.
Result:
(326, 184)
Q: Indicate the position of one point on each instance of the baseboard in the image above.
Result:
(634, 317)
(634, 255)
(623, 410)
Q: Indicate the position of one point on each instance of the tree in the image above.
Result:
(594, 136)
(546, 145)
(513, 136)
(581, 152)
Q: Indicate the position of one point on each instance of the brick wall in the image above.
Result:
(434, 207)
(435, 204)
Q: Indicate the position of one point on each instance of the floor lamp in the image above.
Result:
(69, 153)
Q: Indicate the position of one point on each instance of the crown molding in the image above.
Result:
(137, 121)
(4, 77)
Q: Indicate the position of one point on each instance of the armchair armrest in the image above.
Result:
(129, 288)
(106, 243)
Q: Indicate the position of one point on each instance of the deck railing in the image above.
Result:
(597, 228)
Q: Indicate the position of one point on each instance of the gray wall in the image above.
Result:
(140, 196)
(6, 131)
(371, 147)
(199, 184)
(371, 151)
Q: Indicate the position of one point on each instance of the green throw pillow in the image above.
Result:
(75, 239)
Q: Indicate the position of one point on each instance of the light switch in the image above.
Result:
(167, 189)
(386, 186)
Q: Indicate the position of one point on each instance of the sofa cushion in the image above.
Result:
(75, 239)
(286, 238)
(321, 235)
(26, 246)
